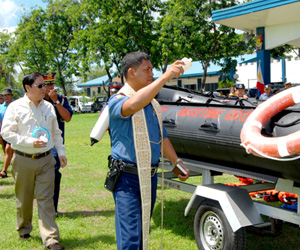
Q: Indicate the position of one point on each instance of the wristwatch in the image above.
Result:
(57, 102)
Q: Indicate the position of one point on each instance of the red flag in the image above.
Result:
(260, 81)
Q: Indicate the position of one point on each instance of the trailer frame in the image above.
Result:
(240, 210)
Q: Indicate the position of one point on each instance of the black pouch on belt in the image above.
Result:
(113, 174)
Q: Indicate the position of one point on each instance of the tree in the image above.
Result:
(7, 61)
(44, 37)
(95, 71)
(116, 28)
(187, 30)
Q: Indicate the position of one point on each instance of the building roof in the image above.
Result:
(97, 81)
(195, 71)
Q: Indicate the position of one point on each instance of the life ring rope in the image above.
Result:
(266, 156)
(274, 148)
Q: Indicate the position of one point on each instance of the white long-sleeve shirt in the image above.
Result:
(20, 120)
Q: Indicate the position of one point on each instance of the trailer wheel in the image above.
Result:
(213, 232)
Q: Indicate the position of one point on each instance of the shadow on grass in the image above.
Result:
(288, 240)
(6, 196)
(5, 182)
(81, 214)
(174, 219)
(75, 243)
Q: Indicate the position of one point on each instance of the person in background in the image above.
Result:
(232, 91)
(241, 91)
(267, 94)
(1, 141)
(30, 125)
(114, 87)
(1, 99)
(287, 85)
(64, 114)
(8, 151)
(136, 146)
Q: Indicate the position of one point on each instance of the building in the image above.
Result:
(191, 79)
(96, 86)
(273, 22)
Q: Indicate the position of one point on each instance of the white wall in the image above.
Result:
(248, 72)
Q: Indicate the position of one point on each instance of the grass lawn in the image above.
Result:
(86, 208)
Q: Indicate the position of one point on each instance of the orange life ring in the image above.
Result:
(252, 139)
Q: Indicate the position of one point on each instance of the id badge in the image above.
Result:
(41, 133)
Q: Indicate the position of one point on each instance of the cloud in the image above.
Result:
(9, 13)
(8, 30)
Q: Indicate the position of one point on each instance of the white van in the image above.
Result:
(80, 103)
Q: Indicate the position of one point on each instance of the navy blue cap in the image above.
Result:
(49, 78)
(115, 86)
(267, 86)
(240, 86)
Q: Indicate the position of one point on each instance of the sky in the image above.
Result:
(12, 10)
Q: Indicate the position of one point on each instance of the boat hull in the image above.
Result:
(209, 130)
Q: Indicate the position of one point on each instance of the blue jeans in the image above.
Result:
(128, 211)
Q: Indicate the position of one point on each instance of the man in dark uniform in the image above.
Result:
(64, 113)
(114, 87)
(135, 97)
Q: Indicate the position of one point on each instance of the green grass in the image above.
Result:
(87, 208)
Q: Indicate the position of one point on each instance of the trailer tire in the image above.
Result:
(213, 232)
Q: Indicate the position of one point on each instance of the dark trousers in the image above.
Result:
(56, 188)
(128, 211)
(57, 178)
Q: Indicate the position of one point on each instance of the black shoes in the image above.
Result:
(3, 174)
(25, 236)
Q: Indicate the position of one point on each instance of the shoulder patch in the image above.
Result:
(119, 95)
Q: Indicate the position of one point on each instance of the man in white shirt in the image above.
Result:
(31, 127)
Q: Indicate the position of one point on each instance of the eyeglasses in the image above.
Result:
(40, 85)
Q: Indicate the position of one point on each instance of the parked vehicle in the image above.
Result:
(80, 103)
(98, 103)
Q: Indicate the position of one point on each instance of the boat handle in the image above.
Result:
(169, 122)
(209, 126)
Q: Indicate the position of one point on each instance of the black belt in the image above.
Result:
(132, 168)
(33, 156)
(129, 167)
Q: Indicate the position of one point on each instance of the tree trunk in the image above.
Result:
(166, 64)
